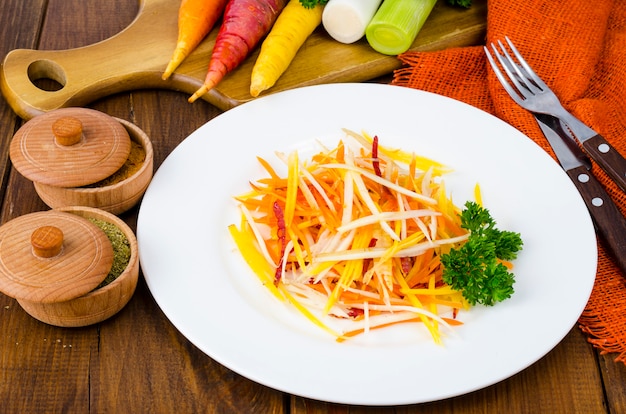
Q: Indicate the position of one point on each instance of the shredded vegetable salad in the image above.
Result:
(357, 232)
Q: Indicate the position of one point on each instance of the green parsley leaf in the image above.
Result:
(475, 267)
(309, 4)
(461, 3)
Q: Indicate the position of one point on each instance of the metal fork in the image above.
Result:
(530, 92)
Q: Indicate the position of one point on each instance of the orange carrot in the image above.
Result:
(196, 18)
(245, 23)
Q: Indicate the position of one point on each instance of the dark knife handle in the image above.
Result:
(609, 222)
(608, 158)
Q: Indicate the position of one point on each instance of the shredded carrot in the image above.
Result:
(360, 234)
(478, 195)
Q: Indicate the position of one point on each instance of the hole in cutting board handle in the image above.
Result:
(47, 75)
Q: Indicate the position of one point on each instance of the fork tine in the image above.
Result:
(529, 71)
(513, 93)
(515, 72)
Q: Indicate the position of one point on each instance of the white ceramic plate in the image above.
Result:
(204, 287)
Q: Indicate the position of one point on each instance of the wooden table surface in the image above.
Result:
(137, 361)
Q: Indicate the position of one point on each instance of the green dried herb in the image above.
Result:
(121, 249)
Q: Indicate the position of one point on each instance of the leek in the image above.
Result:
(395, 25)
(346, 20)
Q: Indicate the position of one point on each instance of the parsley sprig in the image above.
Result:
(309, 4)
(460, 3)
(476, 268)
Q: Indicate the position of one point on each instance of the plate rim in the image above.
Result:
(345, 89)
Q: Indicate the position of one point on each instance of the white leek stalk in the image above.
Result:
(346, 20)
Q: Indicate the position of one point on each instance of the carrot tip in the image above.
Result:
(204, 89)
(255, 92)
(181, 52)
(258, 84)
(168, 71)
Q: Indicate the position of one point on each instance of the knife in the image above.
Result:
(605, 155)
(609, 222)
(564, 133)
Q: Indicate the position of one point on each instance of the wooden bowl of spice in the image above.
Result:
(82, 157)
(69, 267)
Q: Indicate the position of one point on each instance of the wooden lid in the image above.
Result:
(52, 256)
(70, 147)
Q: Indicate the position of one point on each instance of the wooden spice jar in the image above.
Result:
(54, 264)
(83, 157)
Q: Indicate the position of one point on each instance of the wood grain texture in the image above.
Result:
(19, 29)
(136, 58)
(551, 385)
(115, 198)
(608, 158)
(43, 368)
(83, 263)
(160, 369)
(137, 361)
(101, 148)
(608, 220)
(98, 304)
(614, 378)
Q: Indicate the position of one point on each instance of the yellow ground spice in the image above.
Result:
(134, 162)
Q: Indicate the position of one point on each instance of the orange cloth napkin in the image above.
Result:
(578, 47)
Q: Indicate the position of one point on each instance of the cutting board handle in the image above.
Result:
(135, 58)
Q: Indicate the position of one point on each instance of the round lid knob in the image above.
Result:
(47, 241)
(70, 147)
(52, 256)
(67, 130)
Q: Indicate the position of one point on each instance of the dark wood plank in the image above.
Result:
(19, 26)
(137, 361)
(43, 368)
(77, 23)
(614, 377)
(566, 380)
(168, 373)
(158, 370)
(145, 365)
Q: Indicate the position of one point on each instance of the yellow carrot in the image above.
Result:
(254, 258)
(293, 26)
(196, 18)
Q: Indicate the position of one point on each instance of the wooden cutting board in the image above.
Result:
(121, 66)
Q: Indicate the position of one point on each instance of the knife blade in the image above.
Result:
(608, 221)
(563, 131)
(598, 148)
